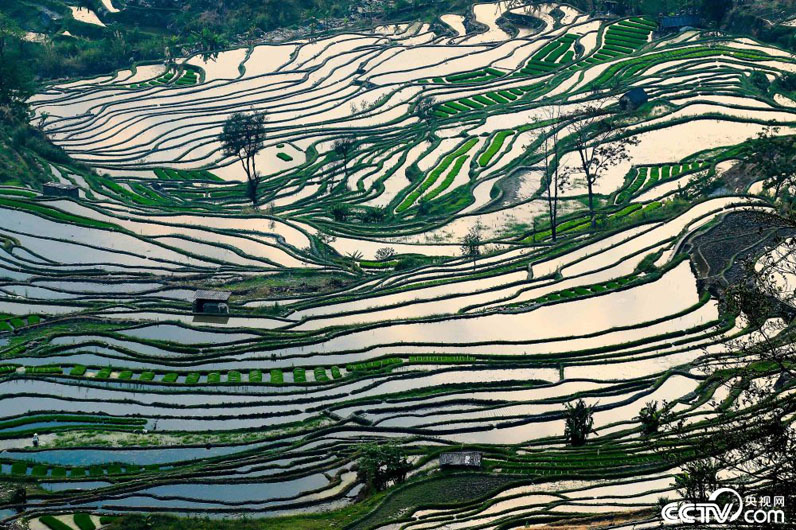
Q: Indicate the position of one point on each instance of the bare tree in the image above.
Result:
(773, 158)
(471, 244)
(243, 137)
(600, 143)
(753, 438)
(556, 177)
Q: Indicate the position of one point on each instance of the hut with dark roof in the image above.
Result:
(211, 302)
(461, 459)
(634, 99)
(59, 189)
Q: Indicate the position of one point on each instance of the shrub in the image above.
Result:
(579, 422)
(650, 417)
(78, 370)
(299, 376)
(255, 376)
(277, 377)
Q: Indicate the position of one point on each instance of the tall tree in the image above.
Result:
(599, 141)
(715, 10)
(556, 176)
(382, 465)
(15, 79)
(243, 137)
(208, 43)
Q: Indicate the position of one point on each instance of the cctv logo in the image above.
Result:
(710, 512)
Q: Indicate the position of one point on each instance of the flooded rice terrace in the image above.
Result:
(354, 308)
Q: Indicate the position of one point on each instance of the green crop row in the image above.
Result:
(448, 180)
(494, 147)
(10, 324)
(440, 359)
(53, 524)
(588, 290)
(435, 174)
(373, 365)
(181, 174)
(84, 522)
(487, 74)
(43, 370)
(639, 177)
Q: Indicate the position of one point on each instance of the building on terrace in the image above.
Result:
(211, 302)
(633, 99)
(466, 459)
(58, 189)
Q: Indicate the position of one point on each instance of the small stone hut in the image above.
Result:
(211, 302)
(634, 99)
(58, 189)
(461, 459)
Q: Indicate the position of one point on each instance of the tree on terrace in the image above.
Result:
(382, 465)
(579, 422)
(600, 143)
(15, 79)
(243, 137)
(471, 244)
(556, 176)
(343, 149)
(773, 158)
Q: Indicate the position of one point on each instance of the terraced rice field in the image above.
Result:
(142, 405)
